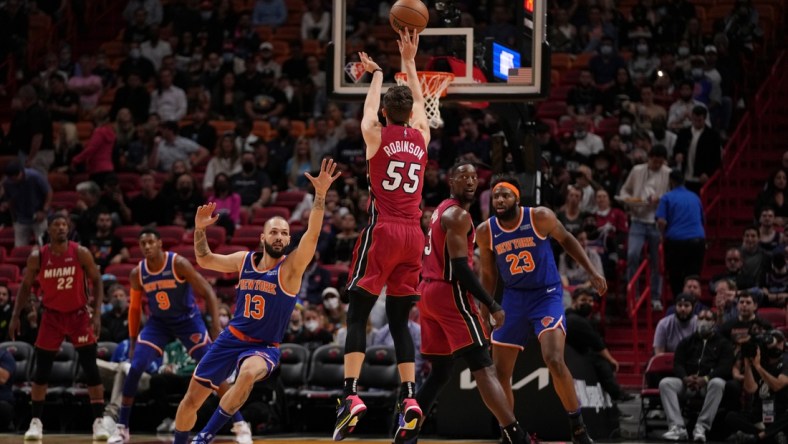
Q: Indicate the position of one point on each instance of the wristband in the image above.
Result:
(377, 70)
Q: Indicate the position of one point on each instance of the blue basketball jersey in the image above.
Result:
(169, 296)
(262, 306)
(524, 257)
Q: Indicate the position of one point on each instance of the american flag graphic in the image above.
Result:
(521, 76)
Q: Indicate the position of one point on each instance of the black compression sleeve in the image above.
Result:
(471, 283)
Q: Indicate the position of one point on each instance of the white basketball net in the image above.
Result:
(433, 87)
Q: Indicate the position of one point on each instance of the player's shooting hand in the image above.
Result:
(325, 178)
(204, 216)
(408, 44)
(369, 65)
(13, 328)
(599, 283)
(498, 319)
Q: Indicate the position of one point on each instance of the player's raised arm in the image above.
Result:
(546, 223)
(226, 263)
(299, 259)
(458, 224)
(203, 289)
(94, 276)
(408, 47)
(23, 295)
(370, 125)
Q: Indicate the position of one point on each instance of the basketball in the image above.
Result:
(411, 14)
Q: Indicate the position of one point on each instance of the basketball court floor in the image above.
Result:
(276, 439)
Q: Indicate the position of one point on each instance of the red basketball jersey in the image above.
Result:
(62, 279)
(396, 173)
(437, 264)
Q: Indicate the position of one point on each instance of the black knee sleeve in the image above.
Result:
(477, 358)
(87, 360)
(44, 359)
(357, 316)
(397, 310)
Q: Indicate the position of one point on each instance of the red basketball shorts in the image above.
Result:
(449, 318)
(388, 252)
(55, 326)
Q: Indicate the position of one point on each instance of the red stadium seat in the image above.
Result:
(658, 367)
(120, 271)
(775, 316)
(187, 251)
(10, 272)
(260, 215)
(64, 199)
(130, 234)
(171, 235)
(18, 256)
(7, 237)
(216, 236)
(551, 110)
(289, 199)
(135, 255)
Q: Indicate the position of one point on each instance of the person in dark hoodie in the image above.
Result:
(702, 362)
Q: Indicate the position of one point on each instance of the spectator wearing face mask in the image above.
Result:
(672, 329)
(585, 339)
(115, 323)
(225, 314)
(335, 311)
(309, 332)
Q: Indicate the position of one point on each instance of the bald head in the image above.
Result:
(276, 221)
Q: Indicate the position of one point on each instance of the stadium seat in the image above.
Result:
(135, 255)
(58, 181)
(105, 350)
(261, 215)
(18, 256)
(326, 374)
(658, 367)
(23, 355)
(775, 316)
(337, 271)
(379, 376)
(10, 272)
(7, 237)
(64, 199)
(130, 234)
(293, 364)
(216, 236)
(230, 249)
(551, 110)
(187, 251)
(289, 199)
(120, 271)
(171, 235)
(559, 93)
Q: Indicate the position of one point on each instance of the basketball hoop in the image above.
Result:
(433, 87)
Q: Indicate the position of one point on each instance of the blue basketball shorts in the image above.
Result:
(530, 312)
(190, 330)
(226, 356)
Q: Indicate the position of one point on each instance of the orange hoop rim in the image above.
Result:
(429, 87)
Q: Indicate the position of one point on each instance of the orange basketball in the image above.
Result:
(411, 14)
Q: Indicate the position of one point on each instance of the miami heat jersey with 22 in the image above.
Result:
(392, 243)
(450, 320)
(64, 289)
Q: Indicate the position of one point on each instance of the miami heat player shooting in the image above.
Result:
(267, 286)
(388, 252)
(514, 243)
(62, 268)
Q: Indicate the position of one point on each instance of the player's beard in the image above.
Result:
(509, 214)
(269, 250)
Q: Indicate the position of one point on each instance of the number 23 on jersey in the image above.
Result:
(523, 262)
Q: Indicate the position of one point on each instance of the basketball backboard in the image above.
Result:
(486, 68)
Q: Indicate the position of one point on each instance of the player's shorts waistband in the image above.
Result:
(399, 220)
(52, 310)
(239, 335)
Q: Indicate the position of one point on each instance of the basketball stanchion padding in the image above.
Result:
(433, 87)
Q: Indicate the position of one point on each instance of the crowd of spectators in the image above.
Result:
(205, 103)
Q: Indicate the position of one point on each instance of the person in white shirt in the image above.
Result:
(660, 135)
(168, 101)
(267, 62)
(155, 49)
(587, 143)
(642, 190)
(316, 22)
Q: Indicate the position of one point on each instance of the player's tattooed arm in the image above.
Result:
(201, 248)
(319, 203)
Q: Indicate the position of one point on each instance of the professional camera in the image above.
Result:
(760, 340)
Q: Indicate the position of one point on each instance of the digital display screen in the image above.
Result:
(504, 59)
(528, 5)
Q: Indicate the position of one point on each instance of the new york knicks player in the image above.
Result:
(267, 286)
(388, 252)
(450, 324)
(62, 269)
(514, 243)
(168, 281)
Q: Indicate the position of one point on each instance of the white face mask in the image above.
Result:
(224, 320)
(331, 303)
(311, 325)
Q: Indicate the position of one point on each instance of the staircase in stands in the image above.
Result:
(752, 153)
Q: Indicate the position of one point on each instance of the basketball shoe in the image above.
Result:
(349, 411)
(408, 419)
(36, 430)
(242, 432)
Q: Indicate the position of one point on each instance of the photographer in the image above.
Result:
(766, 379)
(747, 323)
(701, 365)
